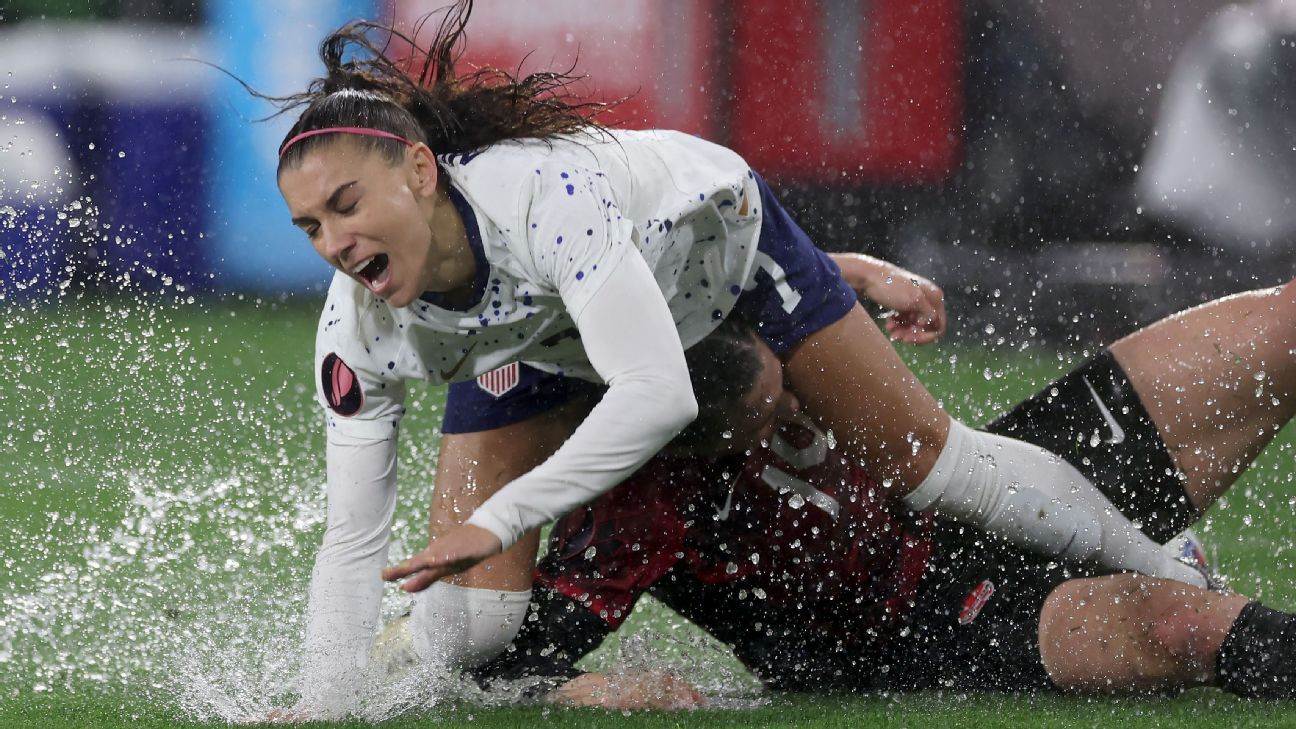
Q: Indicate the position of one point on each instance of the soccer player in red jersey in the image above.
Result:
(789, 555)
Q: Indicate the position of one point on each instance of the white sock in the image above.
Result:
(463, 627)
(1038, 501)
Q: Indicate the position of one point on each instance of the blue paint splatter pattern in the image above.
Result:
(551, 222)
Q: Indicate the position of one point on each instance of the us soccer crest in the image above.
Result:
(499, 380)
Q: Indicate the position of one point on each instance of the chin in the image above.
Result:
(399, 300)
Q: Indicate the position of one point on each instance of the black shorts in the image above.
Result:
(975, 623)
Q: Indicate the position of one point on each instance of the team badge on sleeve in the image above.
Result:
(341, 386)
(499, 380)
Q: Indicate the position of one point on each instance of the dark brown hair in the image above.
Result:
(421, 97)
(723, 368)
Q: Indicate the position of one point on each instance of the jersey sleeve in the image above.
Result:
(361, 398)
(631, 341)
(575, 231)
(345, 589)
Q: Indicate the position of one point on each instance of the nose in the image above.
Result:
(334, 243)
(788, 405)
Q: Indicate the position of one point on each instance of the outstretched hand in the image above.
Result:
(917, 306)
(635, 690)
(295, 715)
(455, 551)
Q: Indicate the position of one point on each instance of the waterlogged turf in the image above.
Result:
(163, 500)
(1196, 709)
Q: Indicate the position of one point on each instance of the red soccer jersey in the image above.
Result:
(789, 555)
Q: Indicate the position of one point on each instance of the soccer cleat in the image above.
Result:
(392, 654)
(1187, 548)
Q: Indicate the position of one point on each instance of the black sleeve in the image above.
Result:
(556, 633)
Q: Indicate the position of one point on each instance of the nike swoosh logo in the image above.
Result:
(723, 512)
(447, 374)
(1117, 432)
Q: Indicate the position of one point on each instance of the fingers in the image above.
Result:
(422, 570)
(457, 550)
(280, 716)
(426, 578)
(404, 569)
(936, 299)
(916, 327)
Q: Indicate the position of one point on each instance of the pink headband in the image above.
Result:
(344, 130)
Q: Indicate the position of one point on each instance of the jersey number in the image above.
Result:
(801, 459)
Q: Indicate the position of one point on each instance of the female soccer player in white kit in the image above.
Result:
(480, 221)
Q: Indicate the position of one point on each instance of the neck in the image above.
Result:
(455, 265)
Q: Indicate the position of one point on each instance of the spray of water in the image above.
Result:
(166, 505)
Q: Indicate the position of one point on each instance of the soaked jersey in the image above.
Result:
(789, 556)
(548, 222)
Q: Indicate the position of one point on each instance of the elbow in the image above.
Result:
(668, 397)
(684, 404)
(688, 407)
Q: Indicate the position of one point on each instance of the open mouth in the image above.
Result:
(373, 271)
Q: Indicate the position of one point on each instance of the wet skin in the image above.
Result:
(391, 228)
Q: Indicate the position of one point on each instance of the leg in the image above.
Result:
(472, 466)
(1219, 381)
(1127, 632)
(854, 383)
(850, 378)
(472, 616)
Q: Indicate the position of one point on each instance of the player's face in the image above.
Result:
(370, 219)
(767, 405)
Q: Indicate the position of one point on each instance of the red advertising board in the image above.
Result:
(657, 55)
(815, 90)
(858, 90)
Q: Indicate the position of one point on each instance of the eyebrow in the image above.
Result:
(331, 203)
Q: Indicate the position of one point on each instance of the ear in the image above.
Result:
(424, 171)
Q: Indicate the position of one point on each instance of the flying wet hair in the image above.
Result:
(402, 94)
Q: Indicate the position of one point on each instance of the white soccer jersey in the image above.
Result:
(551, 222)
(553, 219)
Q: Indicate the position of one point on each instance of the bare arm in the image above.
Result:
(636, 689)
(917, 305)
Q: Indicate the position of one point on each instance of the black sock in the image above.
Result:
(1258, 656)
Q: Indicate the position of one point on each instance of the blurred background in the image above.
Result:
(1066, 170)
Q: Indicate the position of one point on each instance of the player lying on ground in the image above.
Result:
(791, 557)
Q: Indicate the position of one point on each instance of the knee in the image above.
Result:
(1181, 630)
(1283, 308)
(463, 627)
(1287, 294)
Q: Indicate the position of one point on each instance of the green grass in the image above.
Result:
(164, 498)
